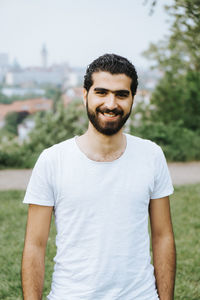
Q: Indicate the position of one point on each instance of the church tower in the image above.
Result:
(44, 55)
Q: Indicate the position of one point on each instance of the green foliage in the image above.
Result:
(185, 206)
(54, 127)
(54, 93)
(11, 122)
(5, 135)
(179, 51)
(178, 57)
(177, 99)
(51, 128)
(177, 142)
(185, 32)
(173, 117)
(8, 100)
(13, 119)
(13, 215)
(13, 155)
(3, 98)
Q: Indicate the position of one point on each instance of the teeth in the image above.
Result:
(109, 114)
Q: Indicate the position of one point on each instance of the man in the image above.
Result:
(101, 186)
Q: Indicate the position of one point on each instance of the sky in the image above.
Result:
(78, 31)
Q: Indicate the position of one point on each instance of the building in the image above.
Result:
(4, 65)
(35, 76)
(18, 91)
(4, 60)
(31, 106)
(72, 94)
(44, 55)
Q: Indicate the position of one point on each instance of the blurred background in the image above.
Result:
(46, 46)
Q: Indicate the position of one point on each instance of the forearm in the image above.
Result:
(33, 268)
(164, 260)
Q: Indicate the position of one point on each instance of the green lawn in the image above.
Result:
(185, 206)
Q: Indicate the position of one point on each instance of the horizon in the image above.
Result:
(77, 33)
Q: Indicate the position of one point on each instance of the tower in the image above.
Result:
(44, 55)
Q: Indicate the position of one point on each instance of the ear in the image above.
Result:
(85, 93)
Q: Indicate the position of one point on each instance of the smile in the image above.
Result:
(110, 116)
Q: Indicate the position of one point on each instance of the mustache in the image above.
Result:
(115, 111)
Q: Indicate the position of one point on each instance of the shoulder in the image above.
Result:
(53, 153)
(60, 147)
(145, 150)
(143, 145)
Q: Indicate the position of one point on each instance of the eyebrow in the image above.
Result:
(99, 89)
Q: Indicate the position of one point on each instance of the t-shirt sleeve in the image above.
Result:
(162, 180)
(40, 190)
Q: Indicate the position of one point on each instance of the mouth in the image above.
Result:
(110, 115)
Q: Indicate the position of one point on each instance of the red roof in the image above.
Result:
(30, 105)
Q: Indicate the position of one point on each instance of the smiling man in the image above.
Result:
(102, 186)
(113, 116)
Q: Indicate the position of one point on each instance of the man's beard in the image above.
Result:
(109, 127)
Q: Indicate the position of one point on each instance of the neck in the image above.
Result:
(101, 147)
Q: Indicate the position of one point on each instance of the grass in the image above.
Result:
(13, 216)
(185, 207)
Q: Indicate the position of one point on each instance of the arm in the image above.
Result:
(37, 231)
(163, 246)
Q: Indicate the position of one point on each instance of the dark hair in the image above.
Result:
(113, 64)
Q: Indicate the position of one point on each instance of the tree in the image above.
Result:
(177, 99)
(173, 117)
(13, 119)
(177, 95)
(54, 127)
(54, 93)
(181, 49)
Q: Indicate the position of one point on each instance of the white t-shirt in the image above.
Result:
(101, 215)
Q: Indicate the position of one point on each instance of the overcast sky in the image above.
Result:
(77, 31)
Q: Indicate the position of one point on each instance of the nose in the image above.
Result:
(111, 101)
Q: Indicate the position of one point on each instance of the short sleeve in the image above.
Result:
(162, 180)
(39, 190)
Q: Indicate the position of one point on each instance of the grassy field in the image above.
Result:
(185, 206)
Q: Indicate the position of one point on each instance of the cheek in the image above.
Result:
(126, 106)
(94, 102)
(129, 104)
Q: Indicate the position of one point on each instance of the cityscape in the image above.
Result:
(29, 87)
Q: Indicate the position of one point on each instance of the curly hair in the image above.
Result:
(113, 64)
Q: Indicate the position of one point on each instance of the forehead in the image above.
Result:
(111, 81)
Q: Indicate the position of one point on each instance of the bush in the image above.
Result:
(51, 128)
(177, 98)
(177, 142)
(16, 156)
(54, 127)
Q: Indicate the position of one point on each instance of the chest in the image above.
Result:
(120, 189)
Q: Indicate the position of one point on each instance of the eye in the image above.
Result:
(122, 95)
(101, 93)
